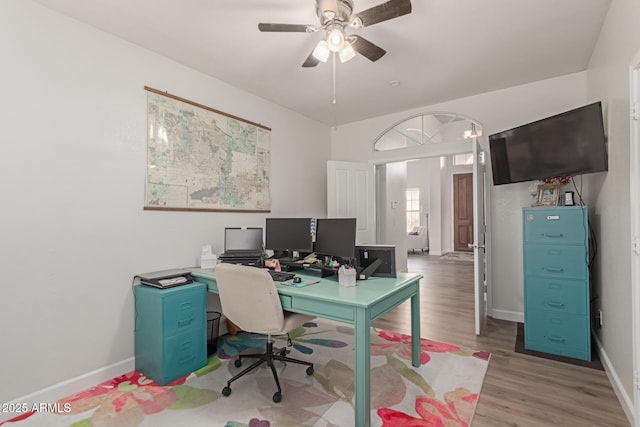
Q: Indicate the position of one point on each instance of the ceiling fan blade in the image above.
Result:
(367, 49)
(286, 28)
(382, 12)
(311, 61)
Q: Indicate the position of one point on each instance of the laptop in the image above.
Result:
(242, 242)
(166, 278)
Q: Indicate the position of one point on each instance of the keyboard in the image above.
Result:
(280, 276)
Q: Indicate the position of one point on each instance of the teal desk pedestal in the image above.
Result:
(170, 336)
(357, 305)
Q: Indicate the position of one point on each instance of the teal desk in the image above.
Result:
(359, 306)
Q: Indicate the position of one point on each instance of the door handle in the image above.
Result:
(475, 246)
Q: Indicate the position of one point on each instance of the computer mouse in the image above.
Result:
(296, 280)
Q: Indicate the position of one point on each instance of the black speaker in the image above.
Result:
(376, 261)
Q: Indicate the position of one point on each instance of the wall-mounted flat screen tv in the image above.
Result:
(570, 143)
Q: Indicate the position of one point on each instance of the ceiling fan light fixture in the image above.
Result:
(346, 52)
(322, 51)
(335, 39)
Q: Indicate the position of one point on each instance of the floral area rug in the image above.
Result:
(443, 391)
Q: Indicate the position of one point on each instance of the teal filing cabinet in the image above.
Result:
(556, 281)
(170, 334)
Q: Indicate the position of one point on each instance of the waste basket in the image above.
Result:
(213, 330)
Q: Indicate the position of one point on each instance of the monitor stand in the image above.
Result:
(370, 269)
(286, 256)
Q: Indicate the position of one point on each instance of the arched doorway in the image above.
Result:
(438, 135)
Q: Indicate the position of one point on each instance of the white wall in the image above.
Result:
(608, 81)
(435, 206)
(72, 168)
(418, 176)
(391, 181)
(496, 111)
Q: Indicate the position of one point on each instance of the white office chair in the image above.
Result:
(249, 299)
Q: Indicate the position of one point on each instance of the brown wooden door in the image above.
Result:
(462, 211)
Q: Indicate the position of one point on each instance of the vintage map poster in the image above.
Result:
(199, 158)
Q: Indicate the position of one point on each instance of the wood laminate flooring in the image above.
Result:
(518, 390)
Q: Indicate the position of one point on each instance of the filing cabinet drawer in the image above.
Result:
(569, 262)
(184, 353)
(556, 295)
(561, 334)
(567, 225)
(184, 310)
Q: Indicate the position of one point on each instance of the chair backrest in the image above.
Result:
(249, 298)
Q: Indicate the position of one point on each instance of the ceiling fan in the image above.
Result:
(335, 16)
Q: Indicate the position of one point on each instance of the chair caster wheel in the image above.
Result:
(277, 397)
(310, 370)
(237, 363)
(226, 391)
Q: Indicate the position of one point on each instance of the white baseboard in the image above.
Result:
(626, 401)
(437, 253)
(512, 316)
(74, 385)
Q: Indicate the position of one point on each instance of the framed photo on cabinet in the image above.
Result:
(548, 195)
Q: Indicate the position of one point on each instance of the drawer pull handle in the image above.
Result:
(555, 304)
(555, 235)
(185, 305)
(555, 269)
(185, 322)
(555, 338)
(185, 345)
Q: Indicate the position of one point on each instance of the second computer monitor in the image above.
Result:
(336, 237)
(289, 234)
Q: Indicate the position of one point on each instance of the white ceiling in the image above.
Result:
(443, 50)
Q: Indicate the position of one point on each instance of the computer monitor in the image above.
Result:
(336, 237)
(243, 239)
(289, 234)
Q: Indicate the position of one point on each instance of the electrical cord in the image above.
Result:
(593, 241)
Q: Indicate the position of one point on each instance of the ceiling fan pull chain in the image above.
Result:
(334, 78)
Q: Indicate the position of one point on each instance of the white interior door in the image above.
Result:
(479, 233)
(351, 194)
